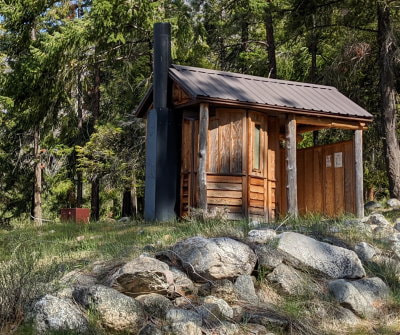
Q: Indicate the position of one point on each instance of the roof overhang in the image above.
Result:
(195, 99)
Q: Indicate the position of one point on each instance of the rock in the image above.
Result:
(268, 295)
(116, 311)
(289, 280)
(261, 235)
(335, 262)
(184, 328)
(182, 302)
(224, 289)
(266, 318)
(215, 309)
(143, 275)
(178, 315)
(393, 203)
(255, 329)
(224, 328)
(397, 224)
(394, 238)
(238, 313)
(395, 247)
(372, 205)
(77, 278)
(378, 220)
(365, 251)
(150, 329)
(215, 258)
(52, 313)
(155, 304)
(346, 316)
(124, 219)
(268, 257)
(245, 289)
(183, 285)
(362, 296)
(383, 232)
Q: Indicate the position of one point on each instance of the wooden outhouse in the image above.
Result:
(230, 140)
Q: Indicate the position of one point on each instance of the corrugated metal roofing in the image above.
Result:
(199, 82)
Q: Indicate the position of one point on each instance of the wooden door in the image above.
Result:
(257, 166)
(189, 163)
(325, 176)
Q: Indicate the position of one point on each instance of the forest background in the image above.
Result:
(72, 73)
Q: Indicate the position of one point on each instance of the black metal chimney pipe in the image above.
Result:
(161, 140)
(161, 63)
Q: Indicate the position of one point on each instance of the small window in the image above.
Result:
(256, 146)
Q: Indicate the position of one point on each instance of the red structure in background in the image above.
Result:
(78, 215)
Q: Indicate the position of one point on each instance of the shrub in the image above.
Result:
(22, 280)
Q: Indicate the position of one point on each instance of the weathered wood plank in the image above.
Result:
(309, 204)
(256, 189)
(224, 194)
(224, 201)
(202, 174)
(213, 146)
(256, 210)
(329, 181)
(301, 168)
(256, 196)
(256, 203)
(224, 186)
(224, 179)
(318, 196)
(224, 140)
(236, 142)
(358, 165)
(257, 181)
(291, 168)
(339, 180)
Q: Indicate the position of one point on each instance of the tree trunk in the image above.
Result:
(37, 189)
(79, 182)
(271, 50)
(387, 86)
(95, 200)
(313, 50)
(79, 177)
(95, 193)
(127, 209)
(37, 183)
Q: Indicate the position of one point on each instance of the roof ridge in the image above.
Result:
(251, 77)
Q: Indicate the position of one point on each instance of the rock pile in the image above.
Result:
(207, 286)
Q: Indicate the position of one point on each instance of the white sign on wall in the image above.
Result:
(328, 161)
(338, 159)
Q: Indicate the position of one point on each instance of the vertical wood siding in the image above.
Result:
(324, 185)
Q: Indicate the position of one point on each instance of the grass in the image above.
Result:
(31, 257)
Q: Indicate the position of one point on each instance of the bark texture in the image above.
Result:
(95, 192)
(387, 50)
(37, 190)
(271, 50)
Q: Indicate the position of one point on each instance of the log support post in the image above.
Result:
(291, 165)
(202, 173)
(359, 191)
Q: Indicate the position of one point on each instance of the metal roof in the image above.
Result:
(205, 83)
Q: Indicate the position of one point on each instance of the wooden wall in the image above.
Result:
(325, 177)
(189, 164)
(226, 161)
